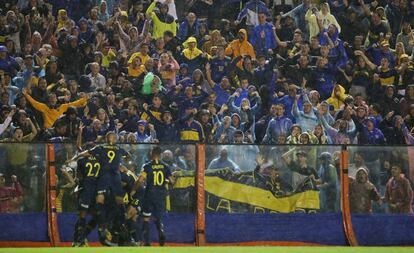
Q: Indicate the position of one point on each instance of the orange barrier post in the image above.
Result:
(346, 212)
(199, 184)
(51, 186)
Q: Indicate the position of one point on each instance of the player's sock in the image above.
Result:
(91, 226)
(146, 233)
(161, 234)
(79, 230)
(131, 225)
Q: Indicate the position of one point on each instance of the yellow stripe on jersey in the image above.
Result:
(188, 135)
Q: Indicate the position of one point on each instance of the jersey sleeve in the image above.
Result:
(144, 171)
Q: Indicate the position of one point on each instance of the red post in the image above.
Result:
(346, 212)
(199, 185)
(51, 186)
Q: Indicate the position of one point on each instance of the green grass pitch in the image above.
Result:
(228, 249)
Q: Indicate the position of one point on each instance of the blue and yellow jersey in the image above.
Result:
(109, 156)
(387, 77)
(89, 169)
(156, 174)
(191, 132)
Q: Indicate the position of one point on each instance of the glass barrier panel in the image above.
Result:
(381, 195)
(179, 204)
(253, 193)
(23, 192)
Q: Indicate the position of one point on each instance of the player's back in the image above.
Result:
(109, 157)
(88, 169)
(157, 174)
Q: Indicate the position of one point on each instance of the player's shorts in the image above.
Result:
(87, 196)
(154, 206)
(110, 182)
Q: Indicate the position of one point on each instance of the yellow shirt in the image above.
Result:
(51, 115)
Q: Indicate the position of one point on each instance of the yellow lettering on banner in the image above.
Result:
(208, 204)
(224, 204)
(258, 210)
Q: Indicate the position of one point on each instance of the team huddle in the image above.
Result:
(120, 203)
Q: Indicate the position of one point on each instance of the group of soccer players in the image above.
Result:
(120, 203)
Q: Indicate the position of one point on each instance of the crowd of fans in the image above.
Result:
(272, 72)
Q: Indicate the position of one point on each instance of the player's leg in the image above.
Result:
(80, 227)
(159, 211)
(146, 216)
(86, 199)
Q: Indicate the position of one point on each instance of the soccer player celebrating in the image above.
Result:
(88, 170)
(109, 181)
(155, 175)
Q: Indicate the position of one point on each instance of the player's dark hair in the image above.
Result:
(156, 151)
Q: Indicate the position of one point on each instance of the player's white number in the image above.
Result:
(111, 156)
(91, 171)
(158, 178)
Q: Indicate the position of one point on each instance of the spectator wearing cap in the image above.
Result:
(162, 21)
(304, 177)
(8, 63)
(398, 193)
(183, 78)
(263, 37)
(328, 183)
(52, 111)
(383, 51)
(141, 134)
(278, 125)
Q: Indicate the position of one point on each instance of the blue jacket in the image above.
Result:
(251, 10)
(182, 33)
(276, 127)
(288, 101)
(219, 68)
(323, 79)
(262, 45)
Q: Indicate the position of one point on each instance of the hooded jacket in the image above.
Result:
(375, 136)
(337, 101)
(161, 22)
(326, 21)
(193, 58)
(398, 191)
(276, 127)
(361, 193)
(238, 48)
